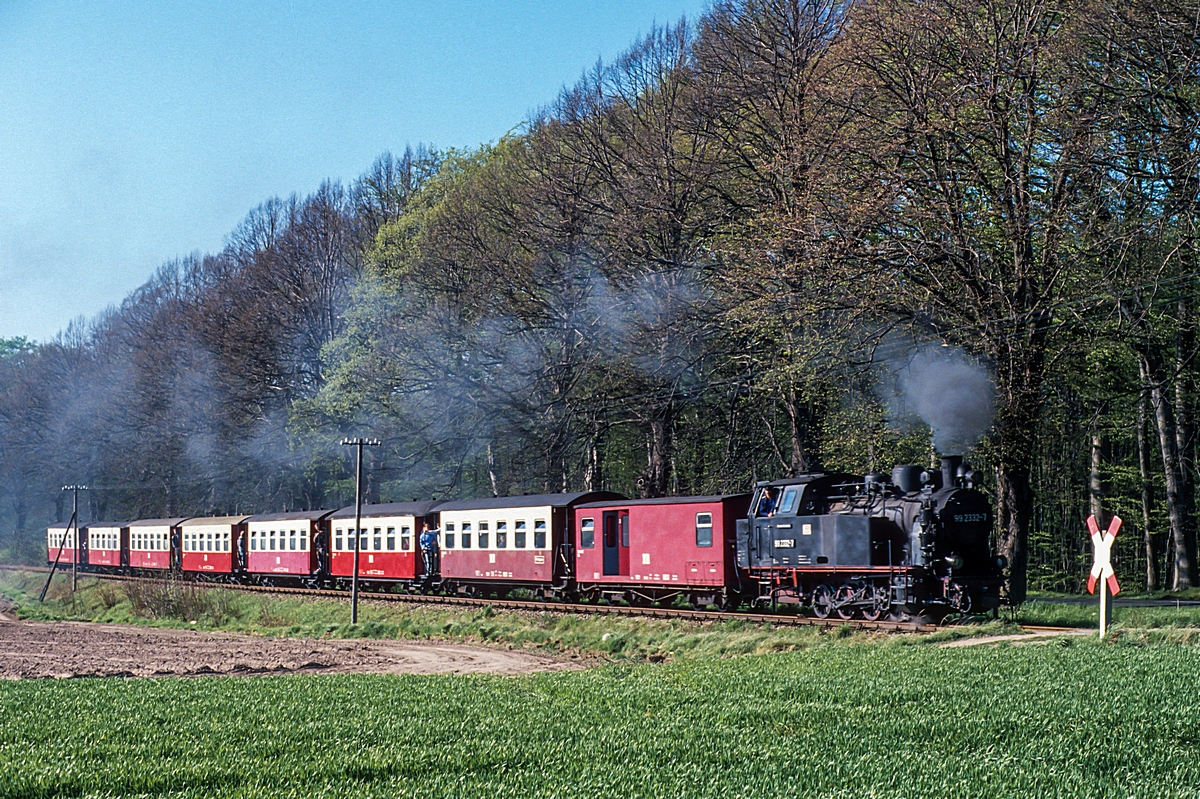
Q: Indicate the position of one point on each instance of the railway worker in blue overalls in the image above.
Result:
(429, 549)
(766, 505)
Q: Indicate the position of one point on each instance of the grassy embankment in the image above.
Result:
(175, 605)
(1074, 718)
(186, 606)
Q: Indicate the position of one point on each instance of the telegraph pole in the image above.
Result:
(358, 444)
(75, 514)
(75, 489)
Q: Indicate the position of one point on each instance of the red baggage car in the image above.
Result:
(153, 543)
(650, 550)
(213, 544)
(388, 548)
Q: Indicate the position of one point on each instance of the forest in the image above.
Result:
(789, 235)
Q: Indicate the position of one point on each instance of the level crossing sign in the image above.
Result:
(1102, 570)
(1102, 565)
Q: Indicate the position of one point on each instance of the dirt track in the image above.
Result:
(76, 649)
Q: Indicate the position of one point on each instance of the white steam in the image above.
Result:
(949, 391)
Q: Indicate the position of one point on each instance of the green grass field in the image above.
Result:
(737, 710)
(1069, 720)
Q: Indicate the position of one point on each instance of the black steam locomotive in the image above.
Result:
(915, 545)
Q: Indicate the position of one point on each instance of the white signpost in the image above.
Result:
(1102, 569)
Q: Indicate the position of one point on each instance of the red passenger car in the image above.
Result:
(654, 549)
(288, 545)
(61, 543)
(107, 541)
(510, 542)
(153, 543)
(213, 544)
(388, 548)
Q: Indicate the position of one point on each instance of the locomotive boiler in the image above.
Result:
(917, 544)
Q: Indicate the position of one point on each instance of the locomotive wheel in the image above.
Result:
(879, 604)
(844, 601)
(822, 601)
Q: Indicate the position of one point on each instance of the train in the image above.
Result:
(915, 543)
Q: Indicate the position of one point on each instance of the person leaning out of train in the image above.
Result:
(429, 547)
(766, 505)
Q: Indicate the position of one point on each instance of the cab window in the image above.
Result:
(787, 502)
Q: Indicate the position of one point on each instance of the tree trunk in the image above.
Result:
(1014, 509)
(1185, 340)
(1019, 374)
(1143, 447)
(800, 460)
(593, 477)
(659, 453)
(491, 460)
(1164, 417)
(1095, 484)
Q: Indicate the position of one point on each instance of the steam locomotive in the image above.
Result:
(914, 544)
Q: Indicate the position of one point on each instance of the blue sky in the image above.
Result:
(132, 133)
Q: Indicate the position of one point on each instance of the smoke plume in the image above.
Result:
(950, 392)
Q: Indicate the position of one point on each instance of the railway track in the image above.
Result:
(780, 619)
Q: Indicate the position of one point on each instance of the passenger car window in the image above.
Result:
(704, 530)
(587, 533)
(539, 534)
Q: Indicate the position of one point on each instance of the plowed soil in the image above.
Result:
(77, 649)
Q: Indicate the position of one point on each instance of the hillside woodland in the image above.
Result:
(789, 235)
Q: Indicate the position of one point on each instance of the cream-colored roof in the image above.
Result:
(214, 521)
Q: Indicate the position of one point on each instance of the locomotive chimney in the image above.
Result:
(950, 465)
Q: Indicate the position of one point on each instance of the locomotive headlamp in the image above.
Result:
(1001, 562)
(955, 561)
